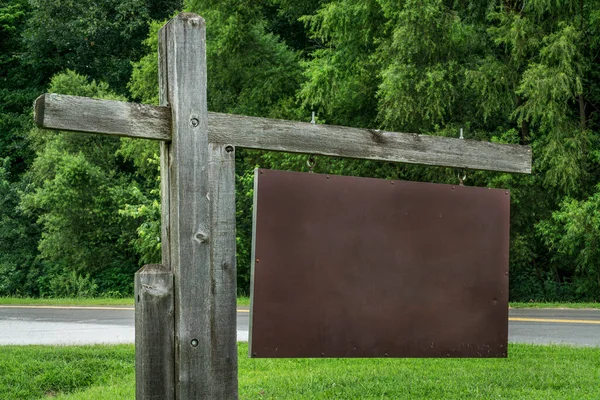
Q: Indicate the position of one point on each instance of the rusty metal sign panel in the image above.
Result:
(360, 267)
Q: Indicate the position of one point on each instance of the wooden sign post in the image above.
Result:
(186, 307)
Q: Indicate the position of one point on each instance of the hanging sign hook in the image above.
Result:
(464, 177)
(311, 159)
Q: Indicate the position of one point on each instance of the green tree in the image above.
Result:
(573, 236)
(16, 90)
(77, 185)
(19, 267)
(98, 39)
(523, 71)
(39, 39)
(516, 72)
(18, 233)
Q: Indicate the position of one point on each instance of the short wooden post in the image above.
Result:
(198, 221)
(154, 350)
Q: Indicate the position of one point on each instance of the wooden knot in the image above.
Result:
(201, 237)
(155, 291)
(377, 136)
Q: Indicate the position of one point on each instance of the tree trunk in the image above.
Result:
(524, 132)
(582, 119)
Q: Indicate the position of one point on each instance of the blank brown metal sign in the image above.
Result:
(360, 267)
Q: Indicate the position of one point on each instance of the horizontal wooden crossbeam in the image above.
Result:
(340, 141)
(80, 114)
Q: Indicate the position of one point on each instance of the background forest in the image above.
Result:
(79, 214)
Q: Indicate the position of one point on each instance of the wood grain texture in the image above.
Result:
(331, 140)
(205, 366)
(221, 176)
(153, 122)
(165, 182)
(154, 355)
(165, 219)
(81, 114)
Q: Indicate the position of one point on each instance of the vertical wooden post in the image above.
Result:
(154, 355)
(198, 221)
(223, 271)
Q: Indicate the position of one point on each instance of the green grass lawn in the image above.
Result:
(127, 301)
(555, 305)
(29, 301)
(241, 301)
(107, 372)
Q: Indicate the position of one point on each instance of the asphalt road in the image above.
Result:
(76, 325)
(575, 327)
(83, 325)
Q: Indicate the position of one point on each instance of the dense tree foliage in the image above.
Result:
(522, 71)
(98, 39)
(16, 89)
(39, 39)
(18, 233)
(77, 185)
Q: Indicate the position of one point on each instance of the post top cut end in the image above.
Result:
(39, 105)
(187, 16)
(153, 269)
(184, 18)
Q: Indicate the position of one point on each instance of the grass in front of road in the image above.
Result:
(555, 305)
(107, 372)
(126, 301)
(31, 301)
(241, 301)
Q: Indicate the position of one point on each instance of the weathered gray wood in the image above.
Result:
(165, 219)
(81, 114)
(199, 234)
(182, 60)
(154, 349)
(152, 122)
(330, 140)
(221, 175)
(165, 183)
